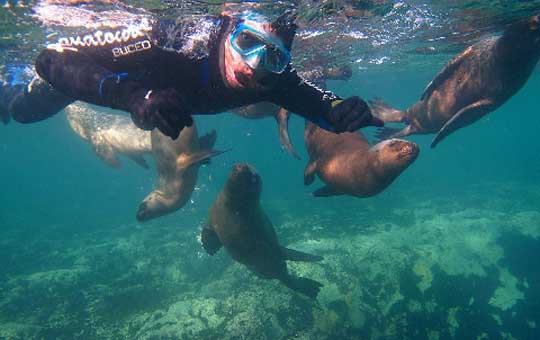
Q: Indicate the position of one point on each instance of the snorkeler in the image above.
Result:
(164, 72)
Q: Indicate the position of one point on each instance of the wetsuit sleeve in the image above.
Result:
(80, 77)
(298, 95)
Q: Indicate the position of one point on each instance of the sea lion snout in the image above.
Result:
(245, 179)
(399, 149)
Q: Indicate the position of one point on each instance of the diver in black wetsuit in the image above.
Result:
(162, 73)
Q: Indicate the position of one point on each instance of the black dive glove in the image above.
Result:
(165, 109)
(348, 116)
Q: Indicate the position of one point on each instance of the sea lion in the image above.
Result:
(238, 222)
(109, 134)
(178, 163)
(316, 75)
(479, 80)
(349, 165)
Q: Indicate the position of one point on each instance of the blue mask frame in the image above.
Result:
(256, 56)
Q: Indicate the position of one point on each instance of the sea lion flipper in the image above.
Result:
(210, 241)
(202, 156)
(385, 112)
(295, 255)
(282, 118)
(308, 287)
(139, 159)
(326, 191)
(446, 72)
(463, 117)
(207, 141)
(388, 132)
(106, 153)
(309, 172)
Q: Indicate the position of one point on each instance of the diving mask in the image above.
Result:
(260, 50)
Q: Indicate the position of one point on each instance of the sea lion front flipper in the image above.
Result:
(326, 191)
(282, 118)
(198, 157)
(207, 141)
(295, 255)
(210, 241)
(106, 153)
(446, 72)
(467, 115)
(139, 159)
(309, 172)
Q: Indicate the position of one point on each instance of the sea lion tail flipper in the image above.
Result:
(385, 112)
(210, 241)
(106, 153)
(139, 159)
(308, 287)
(207, 141)
(282, 118)
(467, 115)
(295, 255)
(309, 172)
(202, 157)
(326, 191)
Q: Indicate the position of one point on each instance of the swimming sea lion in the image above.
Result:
(479, 80)
(316, 75)
(349, 165)
(178, 163)
(109, 134)
(237, 222)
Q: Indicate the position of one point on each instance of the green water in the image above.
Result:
(449, 251)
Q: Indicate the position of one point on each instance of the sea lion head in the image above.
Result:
(524, 34)
(244, 183)
(338, 72)
(395, 155)
(154, 205)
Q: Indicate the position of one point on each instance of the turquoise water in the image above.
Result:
(449, 251)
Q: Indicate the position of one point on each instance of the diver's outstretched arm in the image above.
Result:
(321, 107)
(78, 76)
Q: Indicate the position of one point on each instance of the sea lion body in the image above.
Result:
(238, 223)
(178, 163)
(349, 165)
(479, 80)
(109, 134)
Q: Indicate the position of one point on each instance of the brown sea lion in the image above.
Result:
(109, 134)
(479, 80)
(237, 222)
(178, 163)
(349, 165)
(318, 76)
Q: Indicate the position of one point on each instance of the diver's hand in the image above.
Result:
(167, 110)
(351, 114)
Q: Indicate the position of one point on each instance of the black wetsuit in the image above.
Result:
(119, 67)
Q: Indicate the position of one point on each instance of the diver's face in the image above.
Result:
(238, 73)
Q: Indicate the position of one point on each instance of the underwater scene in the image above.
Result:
(269, 169)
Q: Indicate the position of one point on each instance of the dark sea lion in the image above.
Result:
(109, 134)
(178, 163)
(237, 222)
(318, 76)
(479, 80)
(349, 165)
